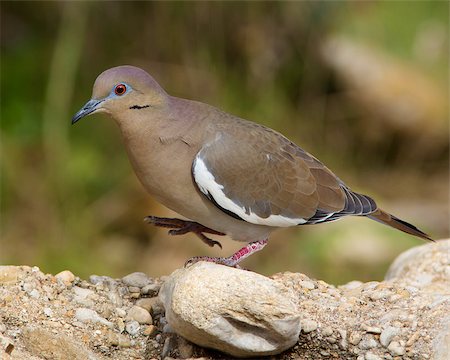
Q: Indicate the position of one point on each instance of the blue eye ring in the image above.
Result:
(120, 89)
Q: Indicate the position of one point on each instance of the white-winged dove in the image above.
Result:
(227, 175)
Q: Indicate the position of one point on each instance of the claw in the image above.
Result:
(181, 227)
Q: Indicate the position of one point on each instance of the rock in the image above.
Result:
(87, 315)
(136, 279)
(423, 267)
(235, 311)
(139, 314)
(387, 335)
(371, 356)
(120, 312)
(151, 289)
(396, 349)
(367, 343)
(9, 274)
(132, 327)
(308, 325)
(150, 330)
(118, 339)
(66, 277)
(150, 304)
(45, 344)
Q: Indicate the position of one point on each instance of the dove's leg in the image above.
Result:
(234, 259)
(180, 227)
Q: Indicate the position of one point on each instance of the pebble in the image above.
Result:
(151, 289)
(371, 356)
(134, 289)
(367, 343)
(132, 327)
(120, 312)
(87, 315)
(9, 274)
(145, 303)
(396, 349)
(120, 325)
(48, 312)
(115, 298)
(343, 342)
(35, 294)
(150, 330)
(168, 329)
(327, 331)
(137, 279)
(118, 339)
(81, 294)
(308, 325)
(354, 338)
(66, 277)
(387, 335)
(169, 345)
(352, 285)
(185, 348)
(371, 329)
(139, 314)
(307, 284)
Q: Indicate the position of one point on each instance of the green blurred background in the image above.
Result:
(361, 85)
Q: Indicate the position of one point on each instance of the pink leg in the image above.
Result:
(234, 259)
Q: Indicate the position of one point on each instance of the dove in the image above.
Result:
(224, 174)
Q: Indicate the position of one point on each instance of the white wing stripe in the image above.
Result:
(207, 185)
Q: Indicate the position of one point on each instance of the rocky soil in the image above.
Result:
(237, 312)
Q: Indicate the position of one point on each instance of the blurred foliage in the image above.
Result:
(69, 199)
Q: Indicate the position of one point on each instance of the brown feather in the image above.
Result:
(392, 221)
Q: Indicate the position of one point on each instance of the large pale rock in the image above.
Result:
(238, 312)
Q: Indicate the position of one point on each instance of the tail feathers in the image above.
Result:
(390, 220)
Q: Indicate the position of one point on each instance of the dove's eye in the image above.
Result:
(120, 89)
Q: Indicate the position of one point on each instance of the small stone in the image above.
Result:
(118, 339)
(371, 356)
(354, 338)
(327, 331)
(351, 285)
(387, 335)
(307, 284)
(120, 325)
(134, 295)
(134, 289)
(139, 314)
(9, 274)
(343, 342)
(137, 279)
(120, 312)
(367, 343)
(185, 348)
(83, 297)
(371, 329)
(308, 325)
(115, 298)
(151, 289)
(90, 316)
(35, 294)
(396, 349)
(48, 312)
(169, 345)
(66, 277)
(150, 330)
(132, 327)
(146, 303)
